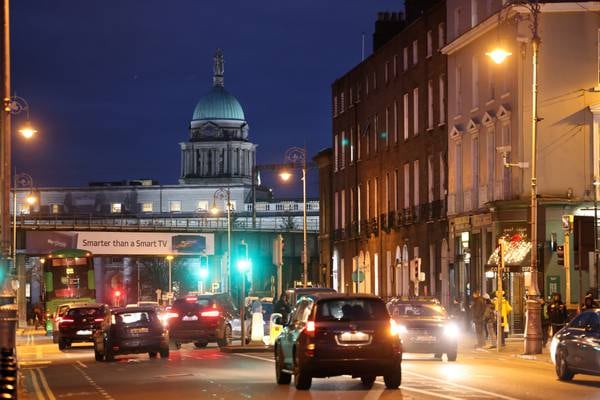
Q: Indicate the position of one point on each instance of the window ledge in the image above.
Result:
(474, 110)
(490, 102)
(505, 95)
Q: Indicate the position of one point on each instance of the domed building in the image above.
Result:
(218, 151)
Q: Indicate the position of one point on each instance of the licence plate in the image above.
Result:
(425, 339)
(138, 330)
(354, 337)
(190, 318)
(84, 332)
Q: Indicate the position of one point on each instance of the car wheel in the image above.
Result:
(394, 377)
(152, 354)
(164, 353)
(226, 339)
(302, 380)
(562, 369)
(62, 344)
(283, 378)
(452, 355)
(367, 381)
(108, 355)
(200, 345)
(97, 355)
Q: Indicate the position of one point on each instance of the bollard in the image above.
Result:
(8, 329)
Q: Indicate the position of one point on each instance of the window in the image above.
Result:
(343, 151)
(457, 21)
(343, 208)
(342, 103)
(416, 182)
(175, 205)
(335, 106)
(415, 111)
(352, 141)
(457, 92)
(387, 193)
(405, 116)
(232, 205)
(491, 84)
(396, 189)
(352, 219)
(202, 205)
(386, 72)
(358, 140)
(55, 208)
(351, 99)
(475, 177)
(376, 197)
(115, 208)
(336, 211)
(375, 132)
(415, 52)
(147, 207)
(374, 80)
(406, 185)
(395, 121)
(358, 204)
(430, 104)
(474, 13)
(429, 43)
(475, 82)
(442, 98)
(491, 162)
(335, 153)
(430, 194)
(368, 200)
(442, 177)
(441, 35)
(395, 65)
(387, 126)
(25, 209)
(458, 177)
(405, 59)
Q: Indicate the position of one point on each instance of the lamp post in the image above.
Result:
(225, 194)
(533, 337)
(297, 156)
(170, 294)
(596, 183)
(243, 266)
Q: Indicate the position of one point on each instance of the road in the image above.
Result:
(209, 374)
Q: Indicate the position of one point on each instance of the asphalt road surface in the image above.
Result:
(209, 374)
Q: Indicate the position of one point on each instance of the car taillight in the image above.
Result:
(65, 320)
(191, 299)
(210, 314)
(310, 327)
(98, 319)
(170, 315)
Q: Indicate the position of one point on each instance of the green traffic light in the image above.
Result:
(244, 265)
(203, 273)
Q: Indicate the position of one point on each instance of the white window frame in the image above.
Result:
(416, 177)
(442, 98)
(405, 59)
(335, 153)
(406, 186)
(415, 52)
(343, 208)
(416, 111)
(405, 115)
(336, 209)
(430, 104)
(429, 43)
(174, 205)
(441, 35)
(202, 205)
(475, 82)
(116, 208)
(343, 151)
(55, 208)
(430, 179)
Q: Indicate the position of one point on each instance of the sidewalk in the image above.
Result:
(514, 347)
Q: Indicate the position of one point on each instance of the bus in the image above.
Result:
(68, 278)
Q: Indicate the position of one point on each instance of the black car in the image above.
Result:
(131, 330)
(339, 335)
(425, 327)
(575, 349)
(79, 322)
(202, 319)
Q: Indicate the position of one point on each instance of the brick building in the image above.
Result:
(388, 164)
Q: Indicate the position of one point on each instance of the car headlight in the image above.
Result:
(396, 328)
(553, 346)
(451, 330)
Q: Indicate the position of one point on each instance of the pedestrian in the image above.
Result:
(282, 307)
(490, 318)
(38, 316)
(504, 311)
(477, 315)
(589, 303)
(557, 313)
(545, 321)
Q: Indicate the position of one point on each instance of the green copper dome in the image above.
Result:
(218, 104)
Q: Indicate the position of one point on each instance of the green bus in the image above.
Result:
(68, 278)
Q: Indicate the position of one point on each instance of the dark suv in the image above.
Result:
(339, 335)
(79, 322)
(202, 319)
(131, 330)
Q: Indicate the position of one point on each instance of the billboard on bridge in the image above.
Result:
(121, 243)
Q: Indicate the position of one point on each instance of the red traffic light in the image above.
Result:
(117, 293)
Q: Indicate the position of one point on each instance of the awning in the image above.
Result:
(517, 257)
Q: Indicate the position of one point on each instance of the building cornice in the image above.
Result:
(492, 21)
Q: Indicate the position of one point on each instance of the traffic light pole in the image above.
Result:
(499, 330)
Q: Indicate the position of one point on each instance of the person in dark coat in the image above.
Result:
(589, 303)
(478, 316)
(282, 307)
(557, 313)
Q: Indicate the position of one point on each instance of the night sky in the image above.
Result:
(112, 84)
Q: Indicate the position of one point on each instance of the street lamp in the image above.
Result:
(533, 338)
(170, 294)
(596, 184)
(297, 156)
(224, 194)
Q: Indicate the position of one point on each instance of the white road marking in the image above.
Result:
(255, 357)
(45, 384)
(100, 389)
(36, 385)
(82, 364)
(32, 363)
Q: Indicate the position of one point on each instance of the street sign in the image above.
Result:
(215, 286)
(169, 295)
(560, 252)
(567, 223)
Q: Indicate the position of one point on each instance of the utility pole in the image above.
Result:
(5, 141)
(567, 225)
(499, 331)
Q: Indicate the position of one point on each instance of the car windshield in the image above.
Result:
(416, 310)
(84, 312)
(351, 310)
(134, 318)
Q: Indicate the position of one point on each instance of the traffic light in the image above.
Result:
(560, 252)
(117, 294)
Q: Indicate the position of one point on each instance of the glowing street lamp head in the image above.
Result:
(169, 258)
(498, 55)
(285, 175)
(28, 131)
(214, 210)
(31, 199)
(203, 273)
